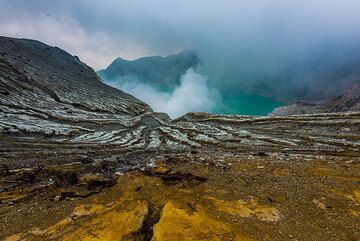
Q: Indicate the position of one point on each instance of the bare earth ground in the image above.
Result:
(203, 194)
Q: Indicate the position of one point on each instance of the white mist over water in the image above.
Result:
(193, 95)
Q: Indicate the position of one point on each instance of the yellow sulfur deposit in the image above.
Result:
(178, 224)
(113, 224)
(246, 209)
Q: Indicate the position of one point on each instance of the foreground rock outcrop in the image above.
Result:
(84, 167)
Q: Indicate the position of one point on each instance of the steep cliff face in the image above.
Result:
(43, 89)
(161, 72)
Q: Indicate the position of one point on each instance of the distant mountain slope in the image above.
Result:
(319, 82)
(348, 101)
(162, 72)
(43, 86)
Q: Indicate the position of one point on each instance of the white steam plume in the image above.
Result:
(193, 95)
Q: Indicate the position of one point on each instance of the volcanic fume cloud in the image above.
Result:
(192, 95)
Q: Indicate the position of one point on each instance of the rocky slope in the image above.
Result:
(44, 89)
(348, 101)
(85, 167)
(313, 80)
(160, 72)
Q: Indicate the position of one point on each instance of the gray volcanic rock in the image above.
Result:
(48, 95)
(45, 89)
(162, 72)
(319, 82)
(348, 101)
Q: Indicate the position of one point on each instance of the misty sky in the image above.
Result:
(239, 41)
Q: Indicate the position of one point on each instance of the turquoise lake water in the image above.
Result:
(247, 104)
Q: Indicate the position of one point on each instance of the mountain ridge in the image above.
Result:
(158, 71)
(45, 89)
